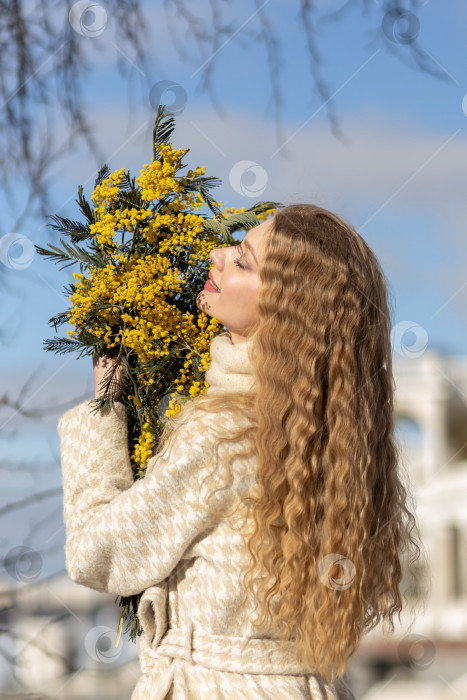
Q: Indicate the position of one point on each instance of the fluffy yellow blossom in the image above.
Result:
(143, 448)
(147, 247)
(157, 180)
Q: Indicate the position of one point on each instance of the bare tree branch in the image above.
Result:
(33, 498)
(43, 65)
(18, 406)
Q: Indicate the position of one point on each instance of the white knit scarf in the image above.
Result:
(230, 368)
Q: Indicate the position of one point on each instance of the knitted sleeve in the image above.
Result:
(124, 536)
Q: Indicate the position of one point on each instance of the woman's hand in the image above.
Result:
(101, 366)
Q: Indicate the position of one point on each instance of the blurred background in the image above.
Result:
(359, 106)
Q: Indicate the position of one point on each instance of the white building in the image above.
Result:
(62, 643)
(64, 634)
(429, 661)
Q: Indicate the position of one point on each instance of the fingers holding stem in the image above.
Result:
(105, 367)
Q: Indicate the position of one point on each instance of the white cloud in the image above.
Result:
(383, 160)
(404, 182)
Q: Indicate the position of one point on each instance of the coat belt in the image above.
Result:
(225, 653)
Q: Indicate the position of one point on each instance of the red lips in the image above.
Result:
(212, 280)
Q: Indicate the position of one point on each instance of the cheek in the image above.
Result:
(240, 289)
(247, 294)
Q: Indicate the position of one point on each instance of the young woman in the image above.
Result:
(270, 529)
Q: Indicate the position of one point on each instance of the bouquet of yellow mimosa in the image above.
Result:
(143, 258)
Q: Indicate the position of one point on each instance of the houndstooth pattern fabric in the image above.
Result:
(157, 536)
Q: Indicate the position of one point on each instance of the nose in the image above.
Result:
(216, 255)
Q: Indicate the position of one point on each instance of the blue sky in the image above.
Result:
(398, 176)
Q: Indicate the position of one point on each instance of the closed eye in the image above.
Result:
(237, 262)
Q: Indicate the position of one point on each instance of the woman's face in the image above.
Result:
(236, 274)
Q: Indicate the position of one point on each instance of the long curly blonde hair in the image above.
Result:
(332, 521)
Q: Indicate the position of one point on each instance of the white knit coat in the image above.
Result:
(156, 536)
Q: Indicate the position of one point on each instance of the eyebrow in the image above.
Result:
(250, 248)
